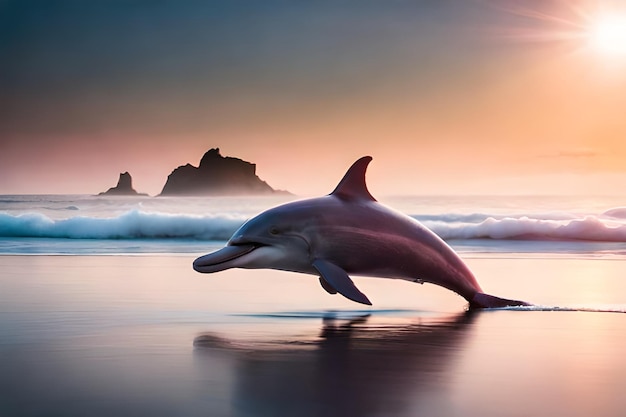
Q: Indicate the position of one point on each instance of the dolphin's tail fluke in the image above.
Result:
(482, 300)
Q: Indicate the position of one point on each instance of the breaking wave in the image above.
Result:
(130, 225)
(588, 228)
(136, 224)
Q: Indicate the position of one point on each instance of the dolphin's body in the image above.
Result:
(348, 232)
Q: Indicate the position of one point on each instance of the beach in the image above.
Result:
(101, 314)
(148, 150)
(143, 144)
(146, 335)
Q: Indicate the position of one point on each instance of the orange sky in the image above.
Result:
(449, 98)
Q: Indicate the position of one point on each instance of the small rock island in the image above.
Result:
(217, 176)
(124, 187)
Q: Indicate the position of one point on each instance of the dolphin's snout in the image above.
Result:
(214, 262)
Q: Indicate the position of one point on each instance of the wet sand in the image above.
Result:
(146, 335)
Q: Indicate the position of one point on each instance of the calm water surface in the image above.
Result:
(145, 335)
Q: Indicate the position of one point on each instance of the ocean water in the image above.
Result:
(101, 314)
(80, 224)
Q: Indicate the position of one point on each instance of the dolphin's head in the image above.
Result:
(274, 239)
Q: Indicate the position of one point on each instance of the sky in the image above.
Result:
(448, 97)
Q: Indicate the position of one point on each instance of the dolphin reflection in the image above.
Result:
(354, 367)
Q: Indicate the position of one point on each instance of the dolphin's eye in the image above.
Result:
(274, 230)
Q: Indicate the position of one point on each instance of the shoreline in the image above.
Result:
(147, 335)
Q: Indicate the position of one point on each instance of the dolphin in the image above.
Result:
(348, 233)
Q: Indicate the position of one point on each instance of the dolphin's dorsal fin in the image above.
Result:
(352, 186)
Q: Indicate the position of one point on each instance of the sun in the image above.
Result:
(597, 26)
(607, 34)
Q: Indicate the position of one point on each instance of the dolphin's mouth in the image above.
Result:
(216, 261)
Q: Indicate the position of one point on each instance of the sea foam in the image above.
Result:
(130, 225)
(136, 224)
(588, 228)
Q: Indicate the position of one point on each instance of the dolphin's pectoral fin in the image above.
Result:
(329, 288)
(339, 280)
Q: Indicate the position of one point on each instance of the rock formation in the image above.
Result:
(216, 175)
(124, 186)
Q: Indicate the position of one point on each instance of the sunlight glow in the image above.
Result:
(596, 26)
(608, 35)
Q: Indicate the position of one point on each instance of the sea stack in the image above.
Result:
(124, 186)
(216, 175)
